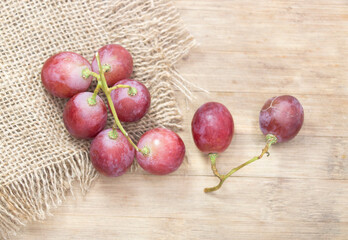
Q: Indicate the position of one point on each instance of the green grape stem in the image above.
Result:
(271, 139)
(102, 84)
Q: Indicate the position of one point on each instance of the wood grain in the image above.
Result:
(249, 51)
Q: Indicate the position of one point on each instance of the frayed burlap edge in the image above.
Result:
(33, 196)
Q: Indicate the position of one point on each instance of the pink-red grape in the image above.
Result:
(62, 74)
(166, 151)
(212, 128)
(281, 116)
(120, 61)
(131, 108)
(111, 157)
(83, 120)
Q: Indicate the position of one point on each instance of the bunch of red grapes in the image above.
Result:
(159, 151)
(69, 75)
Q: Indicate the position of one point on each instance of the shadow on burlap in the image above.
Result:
(38, 159)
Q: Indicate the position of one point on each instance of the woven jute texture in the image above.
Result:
(39, 160)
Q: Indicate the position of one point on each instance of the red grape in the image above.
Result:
(119, 60)
(166, 151)
(131, 108)
(83, 120)
(62, 74)
(111, 157)
(281, 116)
(212, 128)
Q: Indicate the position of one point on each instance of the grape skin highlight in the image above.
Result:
(131, 108)
(281, 116)
(61, 74)
(83, 120)
(111, 157)
(166, 151)
(212, 128)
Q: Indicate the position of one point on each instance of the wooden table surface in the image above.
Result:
(249, 51)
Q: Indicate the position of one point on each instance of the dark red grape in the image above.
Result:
(62, 74)
(166, 151)
(131, 108)
(212, 128)
(281, 116)
(83, 120)
(111, 157)
(119, 60)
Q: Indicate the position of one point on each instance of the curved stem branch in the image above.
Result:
(271, 139)
(92, 100)
(217, 187)
(86, 73)
(119, 86)
(213, 157)
(132, 91)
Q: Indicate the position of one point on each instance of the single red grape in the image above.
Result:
(111, 157)
(212, 128)
(131, 108)
(281, 116)
(166, 151)
(119, 60)
(62, 74)
(83, 120)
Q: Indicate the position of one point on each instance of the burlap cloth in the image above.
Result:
(38, 159)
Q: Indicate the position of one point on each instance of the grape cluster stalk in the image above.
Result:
(271, 139)
(102, 84)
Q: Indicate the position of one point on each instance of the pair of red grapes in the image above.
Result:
(69, 75)
(280, 119)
